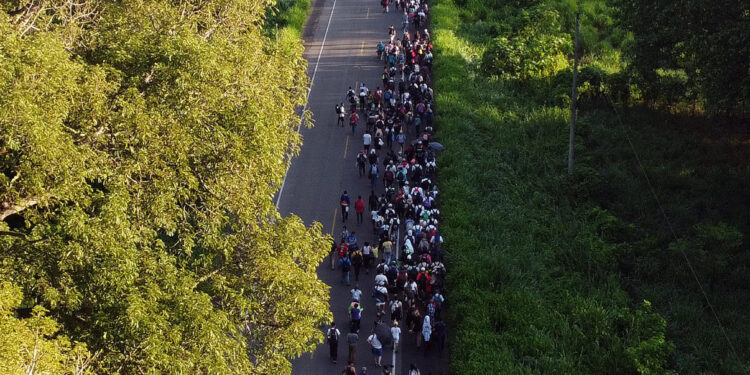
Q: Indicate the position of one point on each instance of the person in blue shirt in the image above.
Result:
(345, 202)
(351, 241)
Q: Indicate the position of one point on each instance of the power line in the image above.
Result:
(669, 225)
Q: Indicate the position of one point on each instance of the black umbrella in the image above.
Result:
(437, 146)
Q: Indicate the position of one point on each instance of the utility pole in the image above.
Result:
(573, 97)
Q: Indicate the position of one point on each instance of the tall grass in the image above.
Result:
(552, 274)
(288, 16)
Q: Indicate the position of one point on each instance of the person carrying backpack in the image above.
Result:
(357, 260)
(346, 266)
(388, 177)
(333, 341)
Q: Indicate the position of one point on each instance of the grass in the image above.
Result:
(553, 274)
(288, 15)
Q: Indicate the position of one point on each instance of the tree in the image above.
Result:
(707, 39)
(141, 143)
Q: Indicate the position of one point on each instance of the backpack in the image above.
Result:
(356, 313)
(401, 175)
(389, 176)
(332, 335)
(374, 170)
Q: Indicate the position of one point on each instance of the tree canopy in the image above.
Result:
(141, 142)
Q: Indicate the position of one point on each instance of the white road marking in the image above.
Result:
(312, 81)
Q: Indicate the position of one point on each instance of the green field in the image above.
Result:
(558, 274)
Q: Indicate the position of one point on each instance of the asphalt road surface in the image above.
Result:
(341, 38)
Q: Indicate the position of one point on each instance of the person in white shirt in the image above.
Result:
(356, 293)
(396, 335)
(367, 140)
(381, 279)
(377, 348)
(332, 337)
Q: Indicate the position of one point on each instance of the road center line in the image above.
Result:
(346, 146)
(307, 100)
(333, 224)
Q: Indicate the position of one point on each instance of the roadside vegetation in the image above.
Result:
(558, 274)
(141, 143)
(287, 14)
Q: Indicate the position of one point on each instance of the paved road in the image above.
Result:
(348, 31)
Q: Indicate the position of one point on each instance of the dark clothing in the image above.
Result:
(334, 349)
(373, 202)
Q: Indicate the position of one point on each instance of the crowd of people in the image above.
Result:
(404, 248)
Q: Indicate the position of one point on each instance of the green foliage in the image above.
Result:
(554, 274)
(532, 282)
(140, 147)
(33, 345)
(287, 14)
(707, 40)
(537, 50)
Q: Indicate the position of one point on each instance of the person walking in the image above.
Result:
(361, 162)
(346, 265)
(333, 341)
(401, 139)
(367, 140)
(340, 113)
(356, 293)
(359, 209)
(413, 370)
(353, 120)
(374, 173)
(395, 335)
(367, 254)
(376, 347)
(396, 310)
(345, 201)
(334, 255)
(356, 260)
(426, 333)
(440, 336)
(349, 369)
(352, 338)
(355, 312)
(387, 247)
(373, 201)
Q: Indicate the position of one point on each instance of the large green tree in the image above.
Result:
(708, 40)
(141, 142)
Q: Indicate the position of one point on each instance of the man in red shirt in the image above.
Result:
(359, 208)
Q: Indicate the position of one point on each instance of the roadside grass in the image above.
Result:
(289, 16)
(551, 274)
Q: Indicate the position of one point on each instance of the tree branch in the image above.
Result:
(10, 209)
(208, 276)
(19, 235)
